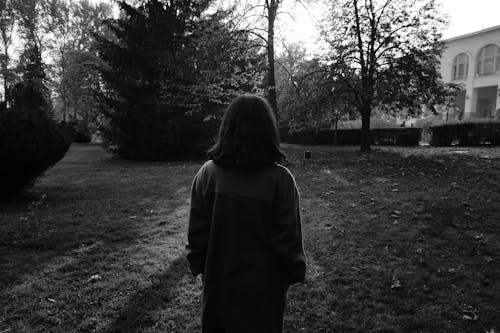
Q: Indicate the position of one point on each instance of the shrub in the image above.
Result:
(380, 136)
(466, 134)
(30, 141)
(346, 137)
(399, 136)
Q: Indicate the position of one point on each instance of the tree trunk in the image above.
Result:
(335, 135)
(271, 81)
(5, 71)
(365, 128)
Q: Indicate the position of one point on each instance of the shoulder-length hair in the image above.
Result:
(248, 135)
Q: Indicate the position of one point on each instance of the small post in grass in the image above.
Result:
(307, 156)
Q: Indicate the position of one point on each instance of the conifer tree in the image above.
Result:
(164, 75)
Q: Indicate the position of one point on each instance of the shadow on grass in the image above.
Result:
(66, 220)
(22, 257)
(140, 312)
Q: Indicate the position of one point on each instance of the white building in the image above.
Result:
(473, 61)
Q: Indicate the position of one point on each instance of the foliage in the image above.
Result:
(168, 72)
(56, 53)
(74, 77)
(466, 134)
(80, 131)
(308, 97)
(78, 87)
(386, 54)
(30, 68)
(30, 141)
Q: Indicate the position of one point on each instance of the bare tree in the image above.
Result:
(263, 28)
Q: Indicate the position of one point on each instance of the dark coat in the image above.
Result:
(245, 238)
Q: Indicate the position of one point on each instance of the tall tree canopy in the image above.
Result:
(386, 54)
(74, 78)
(168, 70)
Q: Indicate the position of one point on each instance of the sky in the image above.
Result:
(465, 16)
(298, 25)
(469, 16)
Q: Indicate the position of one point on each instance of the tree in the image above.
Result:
(168, 70)
(385, 53)
(7, 22)
(272, 11)
(57, 22)
(31, 66)
(79, 84)
(309, 97)
(30, 140)
(265, 33)
(70, 26)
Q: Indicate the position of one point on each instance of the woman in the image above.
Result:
(244, 225)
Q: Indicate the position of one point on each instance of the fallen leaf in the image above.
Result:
(396, 284)
(488, 259)
(467, 317)
(469, 313)
(94, 278)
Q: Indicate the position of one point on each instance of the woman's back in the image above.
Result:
(249, 260)
(244, 225)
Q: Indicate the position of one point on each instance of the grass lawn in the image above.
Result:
(400, 240)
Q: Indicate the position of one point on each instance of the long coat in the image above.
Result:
(245, 238)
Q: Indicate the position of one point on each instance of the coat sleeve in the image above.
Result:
(198, 230)
(286, 234)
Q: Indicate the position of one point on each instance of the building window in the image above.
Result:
(460, 66)
(488, 61)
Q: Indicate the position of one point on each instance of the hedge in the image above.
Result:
(400, 136)
(30, 141)
(466, 134)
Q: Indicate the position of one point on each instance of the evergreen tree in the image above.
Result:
(168, 70)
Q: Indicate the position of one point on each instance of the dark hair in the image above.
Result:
(248, 135)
